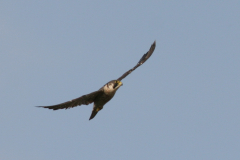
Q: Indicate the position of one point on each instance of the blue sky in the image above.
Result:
(183, 103)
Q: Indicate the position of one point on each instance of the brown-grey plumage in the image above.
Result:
(141, 61)
(104, 94)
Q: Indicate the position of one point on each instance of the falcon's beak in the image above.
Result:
(120, 83)
(117, 84)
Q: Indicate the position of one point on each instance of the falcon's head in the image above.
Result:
(112, 86)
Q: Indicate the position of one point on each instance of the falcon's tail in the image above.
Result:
(94, 113)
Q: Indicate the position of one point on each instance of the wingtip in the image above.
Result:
(154, 43)
(152, 48)
(40, 106)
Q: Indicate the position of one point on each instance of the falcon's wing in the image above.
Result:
(141, 61)
(85, 99)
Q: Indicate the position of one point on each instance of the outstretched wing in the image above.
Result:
(141, 61)
(85, 99)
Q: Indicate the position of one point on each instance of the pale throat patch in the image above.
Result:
(108, 89)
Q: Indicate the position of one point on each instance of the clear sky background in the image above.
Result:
(182, 104)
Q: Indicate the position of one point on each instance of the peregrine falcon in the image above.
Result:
(104, 94)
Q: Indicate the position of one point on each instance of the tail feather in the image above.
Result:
(94, 113)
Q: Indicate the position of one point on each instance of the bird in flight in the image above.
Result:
(104, 94)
